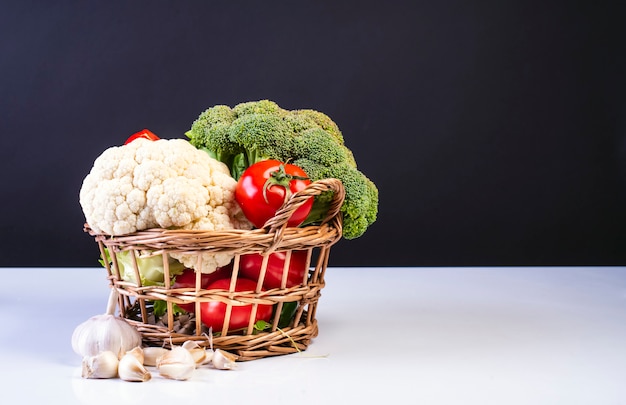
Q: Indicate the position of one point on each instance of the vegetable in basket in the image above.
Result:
(187, 279)
(259, 130)
(164, 183)
(265, 186)
(250, 266)
(212, 313)
(150, 266)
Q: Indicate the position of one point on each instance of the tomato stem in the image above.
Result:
(280, 177)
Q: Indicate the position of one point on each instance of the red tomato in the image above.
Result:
(187, 279)
(144, 133)
(250, 267)
(212, 313)
(265, 186)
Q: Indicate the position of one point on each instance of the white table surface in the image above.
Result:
(505, 336)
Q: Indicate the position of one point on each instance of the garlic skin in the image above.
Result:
(131, 369)
(223, 360)
(102, 365)
(105, 332)
(177, 364)
(151, 355)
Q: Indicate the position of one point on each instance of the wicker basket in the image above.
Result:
(135, 300)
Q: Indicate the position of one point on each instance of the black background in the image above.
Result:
(495, 131)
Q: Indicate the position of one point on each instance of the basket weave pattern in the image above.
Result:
(135, 299)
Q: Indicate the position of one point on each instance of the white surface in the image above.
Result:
(484, 336)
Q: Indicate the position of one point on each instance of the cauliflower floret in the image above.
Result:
(161, 184)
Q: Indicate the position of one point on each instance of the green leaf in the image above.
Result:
(159, 308)
(261, 325)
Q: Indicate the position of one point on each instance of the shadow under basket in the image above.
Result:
(153, 309)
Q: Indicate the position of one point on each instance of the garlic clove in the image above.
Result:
(177, 364)
(131, 369)
(151, 355)
(138, 353)
(223, 360)
(102, 365)
(198, 352)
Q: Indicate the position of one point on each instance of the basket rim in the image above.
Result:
(275, 235)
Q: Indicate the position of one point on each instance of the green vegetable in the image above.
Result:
(150, 267)
(287, 314)
(159, 308)
(261, 325)
(260, 130)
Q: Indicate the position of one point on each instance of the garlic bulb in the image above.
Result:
(105, 332)
(131, 369)
(177, 364)
(102, 365)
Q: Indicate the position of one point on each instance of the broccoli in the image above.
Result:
(265, 107)
(258, 130)
(360, 206)
(262, 136)
(318, 119)
(210, 133)
(319, 146)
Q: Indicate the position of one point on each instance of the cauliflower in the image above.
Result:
(161, 184)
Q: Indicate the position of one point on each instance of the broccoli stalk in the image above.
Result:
(254, 131)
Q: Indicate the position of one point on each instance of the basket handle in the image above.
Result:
(278, 223)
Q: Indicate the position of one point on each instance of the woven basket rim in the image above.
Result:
(275, 235)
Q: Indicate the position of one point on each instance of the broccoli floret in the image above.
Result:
(210, 132)
(321, 120)
(316, 171)
(258, 107)
(259, 130)
(320, 146)
(360, 206)
(262, 136)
